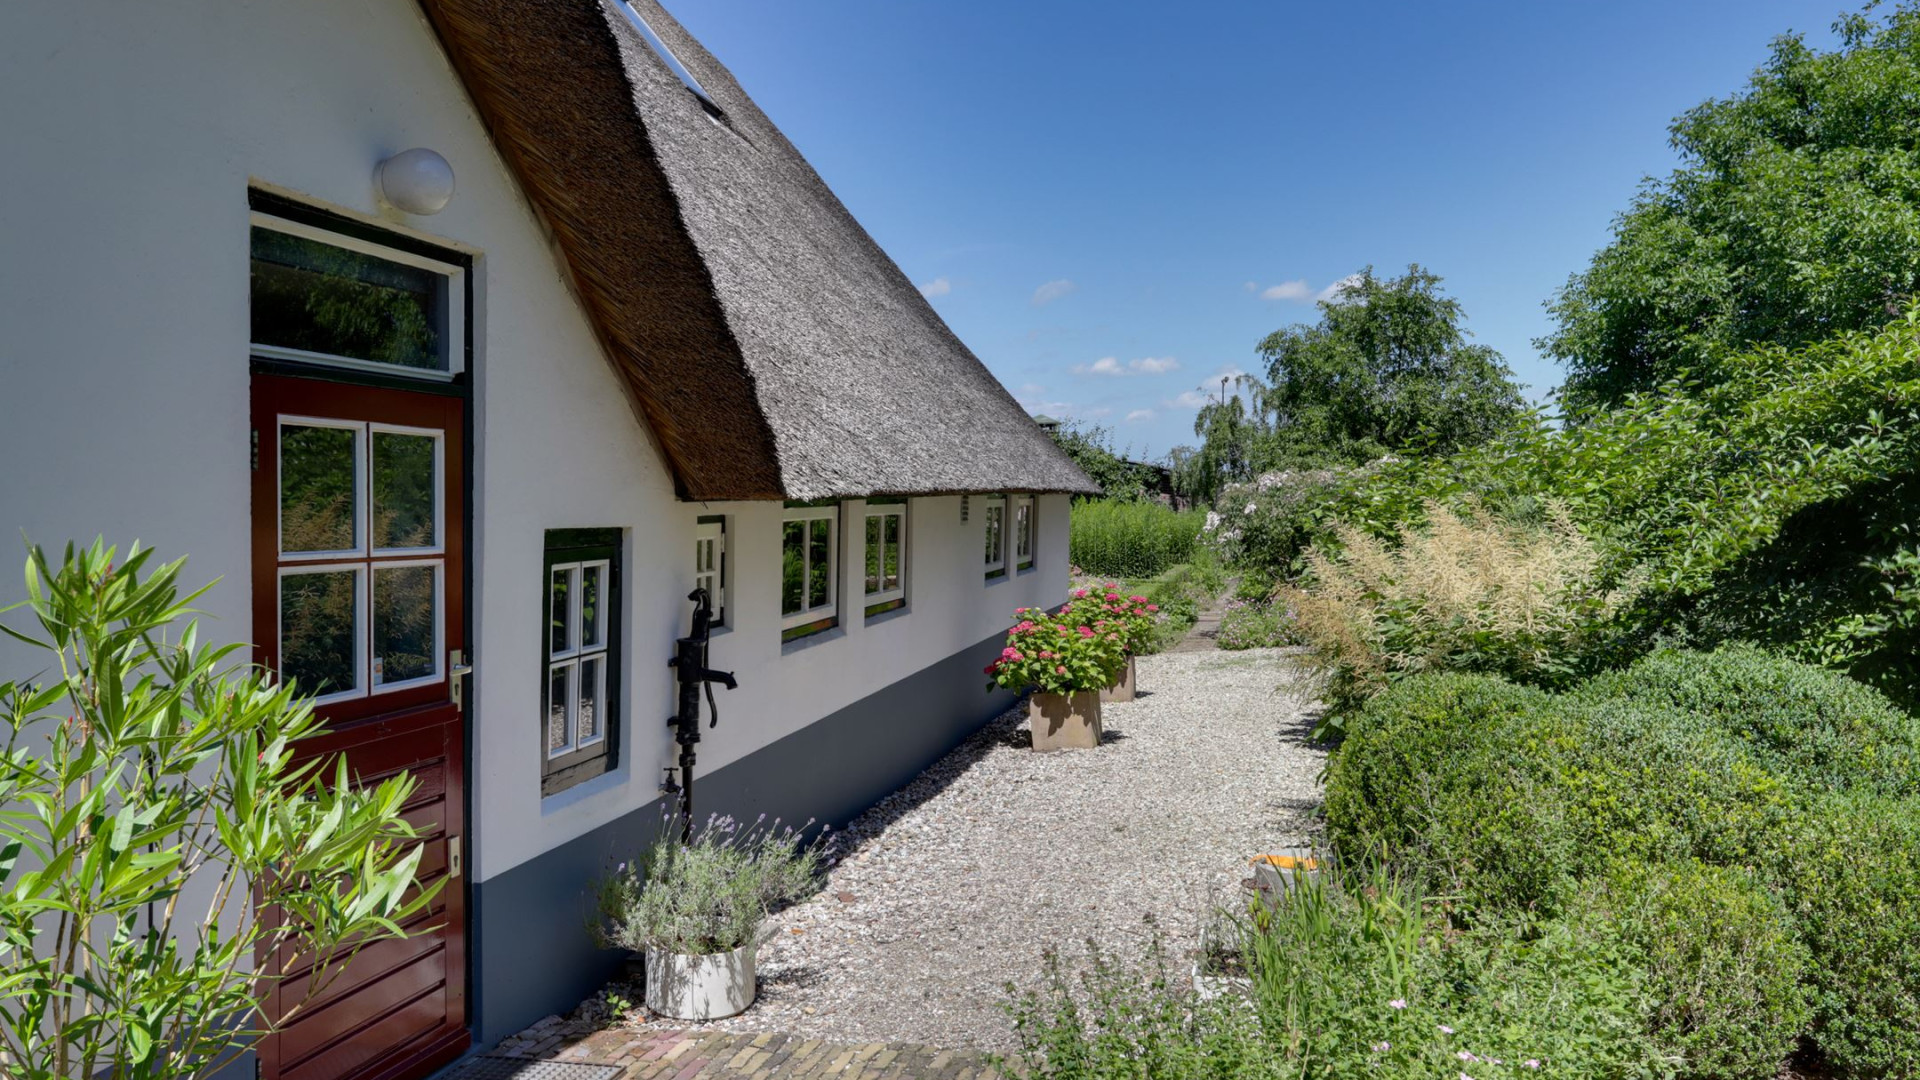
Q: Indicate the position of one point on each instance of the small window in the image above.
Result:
(323, 297)
(808, 582)
(1023, 511)
(885, 582)
(668, 58)
(994, 514)
(580, 653)
(710, 563)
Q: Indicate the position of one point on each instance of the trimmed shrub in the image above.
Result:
(1458, 778)
(1853, 876)
(1815, 727)
(1722, 963)
(1130, 539)
(1654, 784)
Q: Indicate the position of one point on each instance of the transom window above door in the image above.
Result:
(322, 297)
(361, 535)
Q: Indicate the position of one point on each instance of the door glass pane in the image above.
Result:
(875, 531)
(592, 618)
(320, 298)
(819, 562)
(892, 567)
(319, 488)
(559, 697)
(793, 566)
(405, 616)
(319, 631)
(560, 611)
(590, 693)
(404, 485)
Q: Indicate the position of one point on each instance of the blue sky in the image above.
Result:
(1112, 203)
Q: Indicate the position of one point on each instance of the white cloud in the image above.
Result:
(1287, 290)
(937, 287)
(1097, 412)
(1251, 287)
(1053, 290)
(1106, 365)
(1140, 414)
(1333, 293)
(1146, 365)
(1192, 399)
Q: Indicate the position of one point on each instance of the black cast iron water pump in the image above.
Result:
(690, 666)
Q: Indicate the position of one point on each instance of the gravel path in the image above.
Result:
(951, 887)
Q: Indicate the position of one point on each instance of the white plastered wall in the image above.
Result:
(133, 132)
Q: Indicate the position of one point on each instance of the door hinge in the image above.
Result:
(253, 455)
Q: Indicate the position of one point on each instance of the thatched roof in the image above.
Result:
(774, 349)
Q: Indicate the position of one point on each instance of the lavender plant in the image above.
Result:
(709, 894)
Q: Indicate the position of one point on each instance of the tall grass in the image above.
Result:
(1131, 539)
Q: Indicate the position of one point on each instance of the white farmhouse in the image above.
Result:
(460, 466)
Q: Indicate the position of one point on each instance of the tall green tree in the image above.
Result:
(1794, 216)
(1388, 367)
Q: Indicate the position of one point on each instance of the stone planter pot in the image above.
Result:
(1281, 872)
(1122, 688)
(1065, 721)
(700, 987)
(1209, 984)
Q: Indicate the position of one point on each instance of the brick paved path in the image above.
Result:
(675, 1054)
(1205, 629)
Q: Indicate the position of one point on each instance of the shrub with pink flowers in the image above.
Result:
(1059, 654)
(1109, 609)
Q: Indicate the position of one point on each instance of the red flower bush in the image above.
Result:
(1108, 610)
(1055, 654)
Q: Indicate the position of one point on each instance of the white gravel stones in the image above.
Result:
(950, 888)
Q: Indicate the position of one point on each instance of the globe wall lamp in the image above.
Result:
(417, 181)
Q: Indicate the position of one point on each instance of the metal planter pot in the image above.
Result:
(1065, 721)
(1122, 688)
(700, 987)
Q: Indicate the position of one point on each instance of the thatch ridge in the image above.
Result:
(773, 348)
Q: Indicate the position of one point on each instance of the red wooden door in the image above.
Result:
(359, 542)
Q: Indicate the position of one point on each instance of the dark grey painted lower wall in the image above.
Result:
(531, 955)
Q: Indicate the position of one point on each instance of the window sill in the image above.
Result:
(886, 613)
(996, 575)
(812, 638)
(574, 781)
(1025, 568)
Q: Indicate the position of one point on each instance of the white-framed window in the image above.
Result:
(1023, 532)
(710, 563)
(885, 545)
(993, 513)
(809, 577)
(362, 588)
(580, 650)
(324, 297)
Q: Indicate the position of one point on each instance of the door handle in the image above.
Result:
(457, 671)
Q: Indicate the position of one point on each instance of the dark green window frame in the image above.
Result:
(585, 546)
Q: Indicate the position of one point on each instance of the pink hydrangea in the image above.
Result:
(1062, 669)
